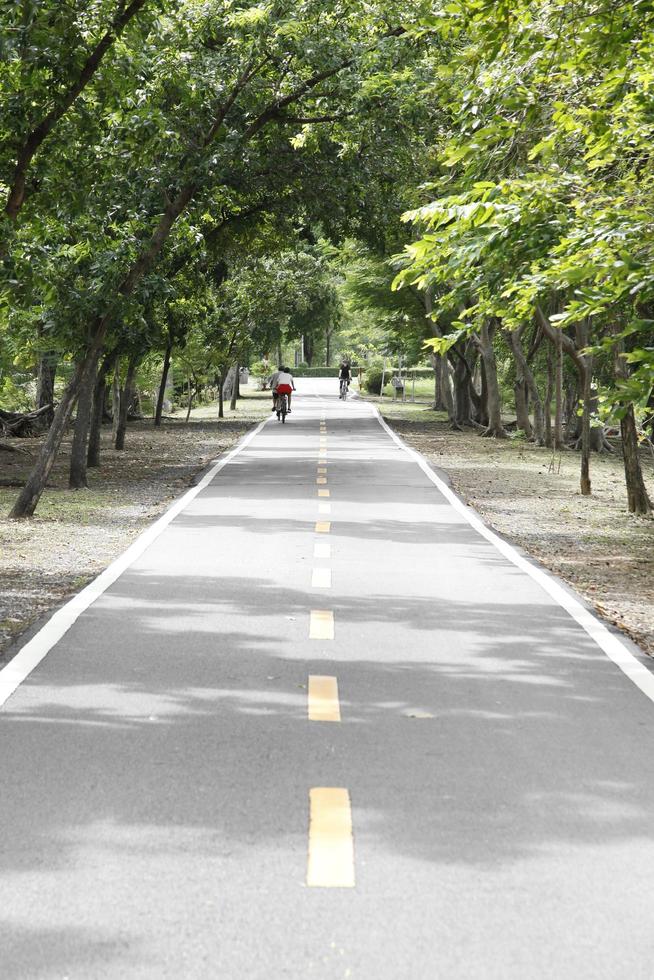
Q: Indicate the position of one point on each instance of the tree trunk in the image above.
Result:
(191, 392)
(47, 371)
(221, 397)
(232, 403)
(446, 390)
(328, 346)
(514, 340)
(162, 387)
(124, 400)
(582, 332)
(437, 404)
(523, 421)
(115, 402)
(463, 409)
(558, 391)
(31, 493)
(97, 414)
(494, 402)
(637, 497)
(77, 473)
(574, 395)
(549, 393)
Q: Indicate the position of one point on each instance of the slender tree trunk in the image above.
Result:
(47, 371)
(437, 404)
(514, 340)
(191, 392)
(162, 387)
(463, 410)
(637, 496)
(77, 479)
(328, 346)
(221, 397)
(446, 390)
(115, 402)
(31, 493)
(124, 399)
(558, 391)
(97, 414)
(585, 434)
(523, 421)
(494, 403)
(574, 396)
(582, 330)
(232, 403)
(549, 393)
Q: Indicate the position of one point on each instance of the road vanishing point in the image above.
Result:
(319, 723)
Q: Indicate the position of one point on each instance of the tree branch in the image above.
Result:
(40, 132)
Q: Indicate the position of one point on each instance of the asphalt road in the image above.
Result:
(482, 809)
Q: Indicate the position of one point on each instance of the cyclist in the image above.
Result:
(344, 374)
(285, 385)
(272, 382)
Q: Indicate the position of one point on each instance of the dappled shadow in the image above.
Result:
(163, 747)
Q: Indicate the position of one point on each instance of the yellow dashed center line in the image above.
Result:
(321, 480)
(331, 848)
(321, 578)
(323, 493)
(322, 470)
(321, 624)
(322, 699)
(323, 527)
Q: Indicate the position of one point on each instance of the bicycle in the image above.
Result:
(345, 384)
(282, 407)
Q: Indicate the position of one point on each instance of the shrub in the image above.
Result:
(260, 369)
(372, 379)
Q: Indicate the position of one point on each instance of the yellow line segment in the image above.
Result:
(323, 527)
(321, 479)
(321, 624)
(323, 493)
(323, 704)
(331, 848)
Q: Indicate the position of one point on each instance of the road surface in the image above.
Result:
(326, 730)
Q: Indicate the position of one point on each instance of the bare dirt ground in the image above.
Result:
(531, 496)
(75, 534)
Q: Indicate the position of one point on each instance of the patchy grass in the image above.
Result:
(532, 497)
(77, 533)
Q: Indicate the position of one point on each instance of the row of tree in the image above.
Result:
(163, 164)
(205, 178)
(538, 236)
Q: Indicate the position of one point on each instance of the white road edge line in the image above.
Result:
(607, 641)
(31, 655)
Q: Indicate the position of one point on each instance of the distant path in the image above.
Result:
(479, 776)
